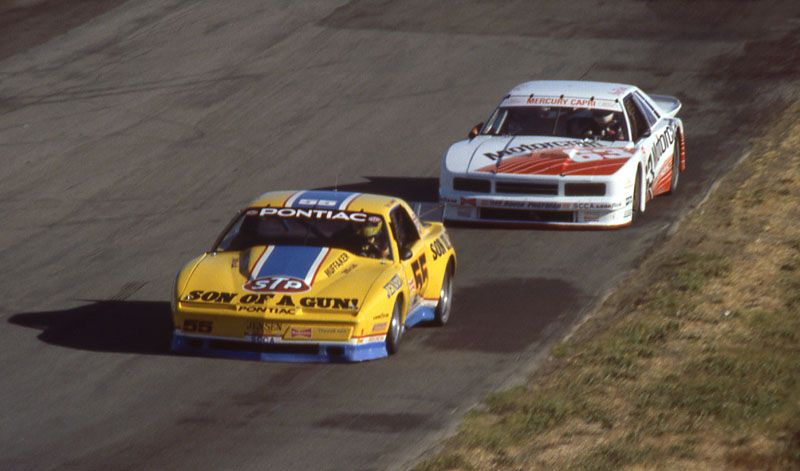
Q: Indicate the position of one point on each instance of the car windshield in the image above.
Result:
(360, 233)
(556, 121)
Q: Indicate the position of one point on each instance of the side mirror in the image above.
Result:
(405, 253)
(474, 132)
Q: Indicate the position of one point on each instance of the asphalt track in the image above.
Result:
(131, 131)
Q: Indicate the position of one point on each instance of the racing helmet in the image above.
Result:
(371, 228)
(604, 118)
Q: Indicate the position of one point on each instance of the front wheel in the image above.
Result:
(638, 198)
(445, 304)
(395, 328)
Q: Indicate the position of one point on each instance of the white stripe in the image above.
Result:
(260, 262)
(292, 199)
(348, 200)
(310, 275)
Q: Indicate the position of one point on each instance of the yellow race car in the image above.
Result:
(314, 276)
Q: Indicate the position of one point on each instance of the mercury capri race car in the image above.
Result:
(314, 276)
(566, 153)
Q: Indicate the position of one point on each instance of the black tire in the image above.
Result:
(676, 166)
(445, 304)
(637, 195)
(395, 328)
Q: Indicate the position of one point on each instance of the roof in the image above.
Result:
(325, 199)
(572, 88)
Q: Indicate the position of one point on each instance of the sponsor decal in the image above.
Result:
(314, 214)
(235, 262)
(265, 309)
(210, 296)
(527, 148)
(617, 91)
(263, 327)
(440, 246)
(535, 205)
(561, 101)
(578, 159)
(660, 145)
(286, 300)
(517, 204)
(333, 330)
(379, 327)
(385, 315)
(296, 333)
(329, 303)
(280, 284)
(349, 269)
(595, 205)
(255, 298)
(337, 264)
(299, 264)
(464, 212)
(247, 300)
(392, 286)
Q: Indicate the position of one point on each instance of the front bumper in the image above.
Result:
(526, 210)
(277, 349)
(286, 345)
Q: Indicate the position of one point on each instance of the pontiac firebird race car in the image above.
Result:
(566, 153)
(314, 276)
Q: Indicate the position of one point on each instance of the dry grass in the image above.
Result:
(695, 368)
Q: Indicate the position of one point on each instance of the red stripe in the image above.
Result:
(250, 275)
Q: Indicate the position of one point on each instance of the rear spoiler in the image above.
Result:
(669, 105)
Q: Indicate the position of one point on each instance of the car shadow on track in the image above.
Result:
(505, 316)
(411, 189)
(105, 326)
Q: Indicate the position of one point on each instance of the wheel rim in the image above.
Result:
(676, 165)
(395, 329)
(444, 297)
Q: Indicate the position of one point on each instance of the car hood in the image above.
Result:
(536, 155)
(317, 277)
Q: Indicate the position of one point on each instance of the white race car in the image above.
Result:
(566, 153)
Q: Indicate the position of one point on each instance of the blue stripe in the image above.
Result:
(288, 260)
(338, 196)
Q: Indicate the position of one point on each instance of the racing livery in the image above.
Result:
(314, 276)
(567, 153)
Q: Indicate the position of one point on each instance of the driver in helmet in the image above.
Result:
(374, 242)
(610, 128)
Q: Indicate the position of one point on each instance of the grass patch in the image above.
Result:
(692, 364)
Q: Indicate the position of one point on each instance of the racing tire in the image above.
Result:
(445, 304)
(637, 204)
(395, 328)
(676, 166)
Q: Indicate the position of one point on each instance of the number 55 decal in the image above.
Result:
(420, 272)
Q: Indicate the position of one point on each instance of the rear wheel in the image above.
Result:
(676, 165)
(445, 305)
(395, 328)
